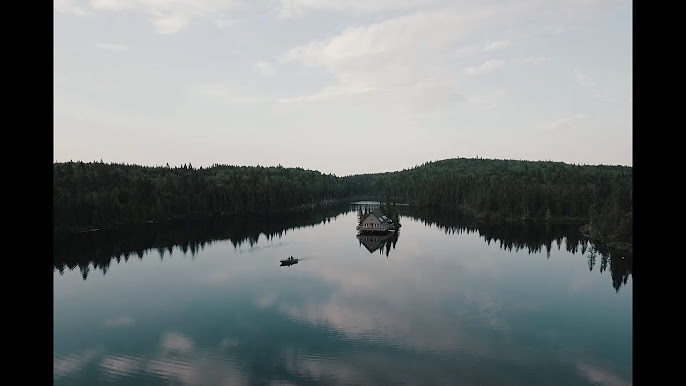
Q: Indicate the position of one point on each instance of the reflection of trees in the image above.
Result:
(529, 236)
(98, 249)
(379, 242)
(621, 264)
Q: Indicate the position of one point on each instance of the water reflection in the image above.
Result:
(177, 360)
(443, 310)
(97, 250)
(379, 242)
(532, 237)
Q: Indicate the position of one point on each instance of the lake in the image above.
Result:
(444, 301)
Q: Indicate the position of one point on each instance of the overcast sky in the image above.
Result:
(342, 86)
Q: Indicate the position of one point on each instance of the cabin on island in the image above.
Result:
(375, 221)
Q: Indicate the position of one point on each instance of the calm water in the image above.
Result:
(442, 302)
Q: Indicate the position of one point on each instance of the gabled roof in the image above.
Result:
(378, 214)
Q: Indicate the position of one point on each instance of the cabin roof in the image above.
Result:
(378, 214)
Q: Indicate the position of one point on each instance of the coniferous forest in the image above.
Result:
(97, 194)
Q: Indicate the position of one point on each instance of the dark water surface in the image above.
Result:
(443, 302)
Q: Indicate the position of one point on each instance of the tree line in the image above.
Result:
(94, 195)
(599, 196)
(97, 194)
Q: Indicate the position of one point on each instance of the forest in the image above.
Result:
(597, 197)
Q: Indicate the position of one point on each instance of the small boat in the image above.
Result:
(288, 261)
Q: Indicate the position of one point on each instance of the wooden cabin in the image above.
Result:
(376, 221)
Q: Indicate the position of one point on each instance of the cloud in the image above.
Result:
(113, 48)
(411, 39)
(486, 67)
(567, 122)
(171, 16)
(169, 24)
(69, 7)
(473, 49)
(223, 21)
(396, 63)
(585, 80)
(491, 65)
(209, 89)
(167, 17)
(486, 102)
(530, 59)
(265, 68)
(225, 93)
(590, 84)
(496, 45)
(298, 8)
(421, 96)
(391, 57)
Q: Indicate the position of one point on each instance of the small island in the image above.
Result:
(383, 219)
(376, 222)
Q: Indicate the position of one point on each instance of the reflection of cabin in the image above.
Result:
(373, 242)
(375, 221)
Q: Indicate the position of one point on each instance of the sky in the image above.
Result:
(342, 86)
